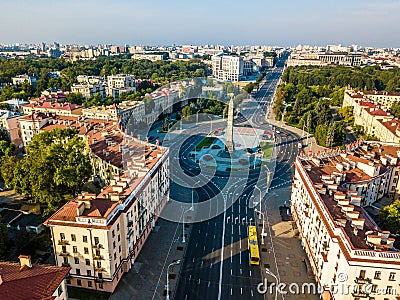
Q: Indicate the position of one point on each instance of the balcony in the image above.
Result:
(65, 264)
(130, 223)
(99, 280)
(362, 280)
(98, 257)
(63, 242)
(99, 269)
(64, 253)
(97, 246)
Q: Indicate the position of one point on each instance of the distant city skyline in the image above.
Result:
(367, 23)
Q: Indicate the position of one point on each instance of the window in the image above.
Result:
(86, 250)
(76, 259)
(84, 239)
(389, 290)
(87, 261)
(64, 249)
(113, 233)
(75, 249)
(114, 244)
(97, 252)
(68, 281)
(118, 227)
(65, 259)
(100, 285)
(362, 274)
(62, 236)
(79, 282)
(78, 272)
(119, 248)
(374, 287)
(392, 275)
(89, 284)
(119, 237)
(100, 275)
(99, 264)
(377, 275)
(73, 237)
(89, 273)
(115, 266)
(96, 240)
(60, 290)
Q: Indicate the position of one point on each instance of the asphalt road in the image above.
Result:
(217, 263)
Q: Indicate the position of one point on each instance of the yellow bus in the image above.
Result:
(253, 246)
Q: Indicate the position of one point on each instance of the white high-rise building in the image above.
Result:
(227, 68)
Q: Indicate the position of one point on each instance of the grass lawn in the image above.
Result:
(267, 148)
(83, 294)
(206, 142)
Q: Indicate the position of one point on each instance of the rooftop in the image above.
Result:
(330, 175)
(35, 282)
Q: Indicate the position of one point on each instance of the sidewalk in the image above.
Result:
(284, 256)
(147, 279)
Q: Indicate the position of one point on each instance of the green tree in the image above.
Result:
(187, 111)
(7, 168)
(389, 217)
(54, 169)
(347, 114)
(320, 134)
(330, 136)
(75, 98)
(395, 109)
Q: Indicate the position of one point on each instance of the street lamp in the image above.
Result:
(183, 222)
(210, 123)
(171, 264)
(263, 228)
(277, 281)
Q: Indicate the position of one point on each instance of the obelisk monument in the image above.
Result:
(229, 128)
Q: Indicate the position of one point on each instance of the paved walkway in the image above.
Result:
(147, 280)
(285, 255)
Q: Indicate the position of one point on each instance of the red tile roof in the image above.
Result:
(53, 105)
(38, 282)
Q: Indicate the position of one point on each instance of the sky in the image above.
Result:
(162, 22)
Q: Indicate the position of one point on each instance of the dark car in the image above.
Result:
(284, 211)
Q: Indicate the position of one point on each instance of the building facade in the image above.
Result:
(100, 237)
(227, 68)
(344, 245)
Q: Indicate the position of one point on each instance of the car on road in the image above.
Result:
(278, 132)
(299, 145)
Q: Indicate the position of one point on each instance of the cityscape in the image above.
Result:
(194, 163)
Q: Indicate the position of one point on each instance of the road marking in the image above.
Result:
(251, 291)
(240, 271)
(241, 291)
(186, 297)
(231, 272)
(196, 244)
(190, 277)
(250, 273)
(193, 259)
(209, 284)
(199, 281)
(231, 291)
(240, 257)
(222, 256)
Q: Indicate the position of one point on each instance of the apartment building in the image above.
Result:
(100, 237)
(90, 79)
(56, 108)
(382, 99)
(120, 83)
(343, 244)
(148, 56)
(20, 79)
(301, 58)
(227, 68)
(87, 89)
(9, 123)
(25, 280)
(30, 125)
(372, 114)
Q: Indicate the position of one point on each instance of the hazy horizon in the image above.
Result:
(367, 23)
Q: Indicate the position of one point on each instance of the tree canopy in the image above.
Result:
(389, 217)
(54, 169)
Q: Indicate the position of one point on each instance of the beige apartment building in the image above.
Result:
(343, 244)
(371, 113)
(100, 237)
(87, 89)
(119, 83)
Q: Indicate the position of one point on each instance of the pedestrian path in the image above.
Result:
(147, 279)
